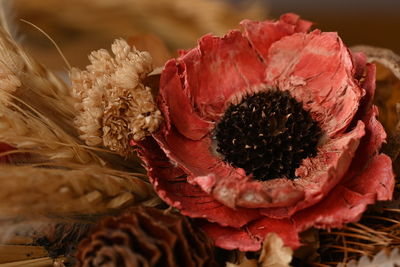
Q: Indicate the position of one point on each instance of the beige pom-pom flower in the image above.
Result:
(114, 105)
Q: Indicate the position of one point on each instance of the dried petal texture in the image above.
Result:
(113, 104)
(146, 237)
(170, 183)
(318, 70)
(335, 86)
(274, 253)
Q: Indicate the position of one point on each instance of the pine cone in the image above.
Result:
(146, 237)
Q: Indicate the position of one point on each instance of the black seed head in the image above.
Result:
(268, 134)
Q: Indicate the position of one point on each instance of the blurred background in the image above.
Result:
(163, 26)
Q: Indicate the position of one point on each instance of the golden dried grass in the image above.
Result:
(53, 172)
(376, 231)
(31, 191)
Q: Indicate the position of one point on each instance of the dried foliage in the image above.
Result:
(49, 171)
(373, 233)
(61, 176)
(114, 105)
(36, 111)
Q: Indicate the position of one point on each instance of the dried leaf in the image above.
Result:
(382, 259)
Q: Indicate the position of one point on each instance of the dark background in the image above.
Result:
(80, 26)
(357, 21)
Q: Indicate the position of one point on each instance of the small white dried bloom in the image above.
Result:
(114, 105)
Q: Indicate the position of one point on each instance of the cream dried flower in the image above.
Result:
(114, 105)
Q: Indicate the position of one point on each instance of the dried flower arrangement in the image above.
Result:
(262, 147)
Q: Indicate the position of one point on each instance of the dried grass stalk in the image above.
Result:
(36, 109)
(37, 113)
(12, 253)
(375, 232)
(32, 133)
(33, 84)
(36, 119)
(39, 262)
(29, 191)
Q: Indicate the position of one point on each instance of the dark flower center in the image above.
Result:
(268, 134)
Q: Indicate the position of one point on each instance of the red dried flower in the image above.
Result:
(271, 129)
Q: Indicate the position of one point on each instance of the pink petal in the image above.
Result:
(195, 157)
(171, 185)
(262, 34)
(348, 201)
(175, 103)
(377, 178)
(250, 238)
(321, 173)
(360, 61)
(370, 144)
(369, 87)
(256, 194)
(318, 70)
(318, 175)
(226, 184)
(340, 207)
(219, 70)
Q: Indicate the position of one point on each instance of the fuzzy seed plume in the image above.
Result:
(114, 106)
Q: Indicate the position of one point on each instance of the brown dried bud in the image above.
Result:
(146, 236)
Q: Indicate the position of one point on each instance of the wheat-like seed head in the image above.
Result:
(29, 191)
(50, 170)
